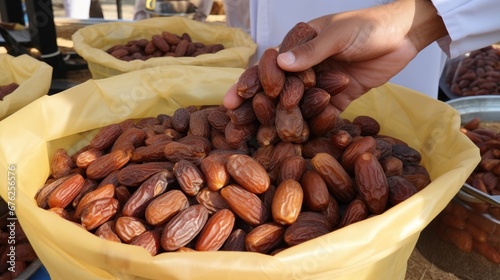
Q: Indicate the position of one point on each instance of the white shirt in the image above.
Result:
(471, 24)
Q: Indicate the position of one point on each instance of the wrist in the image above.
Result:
(427, 25)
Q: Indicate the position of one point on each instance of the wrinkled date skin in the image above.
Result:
(356, 211)
(271, 76)
(371, 183)
(215, 232)
(184, 227)
(248, 173)
(337, 179)
(245, 204)
(299, 34)
(287, 202)
(264, 238)
(151, 188)
(162, 208)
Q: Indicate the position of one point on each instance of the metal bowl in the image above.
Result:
(172, 8)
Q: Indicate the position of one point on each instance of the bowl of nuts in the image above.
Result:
(472, 74)
(464, 238)
(119, 47)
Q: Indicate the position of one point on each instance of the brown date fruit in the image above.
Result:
(287, 202)
(212, 200)
(98, 212)
(165, 206)
(267, 135)
(107, 231)
(176, 151)
(184, 227)
(289, 123)
(151, 188)
(365, 144)
(101, 192)
(248, 173)
(134, 175)
(105, 138)
(308, 77)
(105, 164)
(235, 241)
(309, 225)
(333, 81)
(336, 177)
(127, 228)
(243, 114)
(264, 108)
(406, 154)
(249, 84)
(237, 135)
(313, 102)
(245, 204)
(189, 177)
(324, 121)
(218, 120)
(61, 164)
(198, 124)
(180, 120)
(271, 76)
(371, 183)
(216, 230)
(264, 238)
(400, 189)
(64, 193)
(292, 167)
(292, 92)
(368, 125)
(316, 195)
(213, 168)
(149, 240)
(299, 34)
(356, 211)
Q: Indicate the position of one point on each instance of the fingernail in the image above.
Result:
(287, 57)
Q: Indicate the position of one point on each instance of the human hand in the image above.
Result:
(369, 45)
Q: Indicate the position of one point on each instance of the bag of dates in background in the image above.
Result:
(475, 73)
(158, 39)
(22, 80)
(377, 247)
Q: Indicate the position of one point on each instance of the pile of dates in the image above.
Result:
(7, 89)
(475, 226)
(475, 74)
(280, 169)
(160, 45)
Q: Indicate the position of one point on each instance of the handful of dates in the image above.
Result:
(159, 45)
(279, 170)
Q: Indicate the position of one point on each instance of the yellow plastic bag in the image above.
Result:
(376, 248)
(91, 42)
(32, 76)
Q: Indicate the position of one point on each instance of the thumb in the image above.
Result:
(306, 55)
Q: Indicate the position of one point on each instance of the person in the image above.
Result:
(373, 44)
(203, 8)
(83, 9)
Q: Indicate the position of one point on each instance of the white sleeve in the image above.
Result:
(471, 24)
